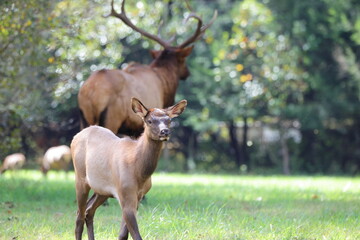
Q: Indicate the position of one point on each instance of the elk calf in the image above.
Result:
(58, 158)
(13, 161)
(119, 167)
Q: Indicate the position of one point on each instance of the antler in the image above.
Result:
(200, 30)
(122, 16)
(173, 37)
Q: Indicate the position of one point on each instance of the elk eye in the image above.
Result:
(149, 121)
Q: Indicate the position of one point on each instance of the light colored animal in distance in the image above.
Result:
(13, 161)
(58, 158)
(119, 167)
(104, 98)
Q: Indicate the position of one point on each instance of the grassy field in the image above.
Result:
(190, 207)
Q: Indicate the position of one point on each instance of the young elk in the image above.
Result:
(119, 167)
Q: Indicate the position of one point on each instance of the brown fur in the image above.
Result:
(104, 98)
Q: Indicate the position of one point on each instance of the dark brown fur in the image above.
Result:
(104, 98)
(108, 92)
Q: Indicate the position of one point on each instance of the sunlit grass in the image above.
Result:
(190, 207)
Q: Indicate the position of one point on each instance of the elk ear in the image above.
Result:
(138, 107)
(177, 109)
(184, 52)
(155, 54)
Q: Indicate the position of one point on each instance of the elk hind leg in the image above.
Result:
(83, 121)
(82, 192)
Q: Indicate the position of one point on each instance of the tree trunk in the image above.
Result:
(190, 161)
(188, 140)
(234, 142)
(244, 154)
(284, 153)
(308, 141)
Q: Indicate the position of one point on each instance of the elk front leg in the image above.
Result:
(93, 203)
(131, 223)
(129, 205)
(124, 232)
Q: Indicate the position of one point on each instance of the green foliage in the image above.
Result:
(331, 98)
(23, 31)
(25, 83)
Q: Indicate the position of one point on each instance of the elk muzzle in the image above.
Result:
(164, 134)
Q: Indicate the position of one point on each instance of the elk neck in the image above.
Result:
(166, 68)
(147, 157)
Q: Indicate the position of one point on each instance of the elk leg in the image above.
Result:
(114, 119)
(82, 192)
(83, 122)
(131, 223)
(124, 232)
(129, 205)
(93, 203)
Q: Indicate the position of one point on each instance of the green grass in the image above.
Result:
(190, 207)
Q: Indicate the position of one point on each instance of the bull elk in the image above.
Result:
(12, 161)
(104, 98)
(119, 167)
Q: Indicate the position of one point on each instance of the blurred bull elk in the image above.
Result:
(104, 98)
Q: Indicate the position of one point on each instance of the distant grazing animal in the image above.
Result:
(13, 161)
(58, 158)
(104, 98)
(119, 167)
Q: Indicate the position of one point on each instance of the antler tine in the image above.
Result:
(200, 30)
(172, 38)
(122, 16)
(161, 24)
(188, 5)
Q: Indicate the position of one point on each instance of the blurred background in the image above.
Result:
(274, 85)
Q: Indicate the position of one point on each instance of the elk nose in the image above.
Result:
(165, 132)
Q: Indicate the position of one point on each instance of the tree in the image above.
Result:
(282, 64)
(23, 32)
(329, 113)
